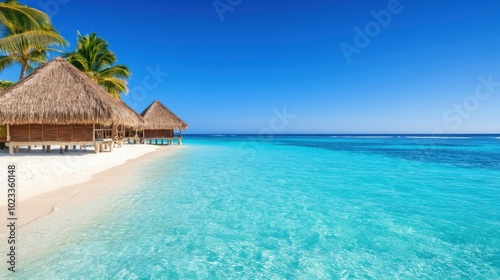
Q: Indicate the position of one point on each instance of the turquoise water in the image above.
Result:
(241, 207)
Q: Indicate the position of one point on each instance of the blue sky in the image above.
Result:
(418, 72)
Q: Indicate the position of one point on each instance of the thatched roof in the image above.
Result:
(140, 123)
(157, 116)
(58, 93)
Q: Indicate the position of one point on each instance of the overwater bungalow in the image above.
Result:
(129, 132)
(59, 105)
(160, 125)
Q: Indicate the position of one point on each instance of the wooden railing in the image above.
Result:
(103, 134)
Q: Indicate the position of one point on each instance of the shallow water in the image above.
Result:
(289, 207)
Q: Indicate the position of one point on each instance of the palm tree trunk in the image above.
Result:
(23, 70)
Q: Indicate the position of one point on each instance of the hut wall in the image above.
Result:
(51, 133)
(158, 133)
(148, 133)
(36, 133)
(64, 132)
(82, 132)
(20, 133)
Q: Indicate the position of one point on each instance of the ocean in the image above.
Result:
(290, 207)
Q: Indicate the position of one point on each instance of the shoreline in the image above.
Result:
(38, 173)
(36, 201)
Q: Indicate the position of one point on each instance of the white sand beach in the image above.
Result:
(39, 173)
(48, 182)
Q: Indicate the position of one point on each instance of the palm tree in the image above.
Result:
(4, 84)
(27, 36)
(27, 17)
(94, 59)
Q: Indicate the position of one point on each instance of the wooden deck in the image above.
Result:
(100, 138)
(161, 141)
(99, 146)
(64, 136)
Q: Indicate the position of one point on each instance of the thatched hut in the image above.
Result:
(131, 132)
(160, 124)
(59, 105)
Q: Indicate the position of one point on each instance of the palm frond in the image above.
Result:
(6, 61)
(117, 71)
(18, 17)
(31, 40)
(114, 85)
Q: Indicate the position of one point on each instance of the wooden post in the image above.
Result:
(43, 149)
(113, 131)
(29, 149)
(8, 132)
(48, 148)
(96, 148)
(74, 147)
(66, 148)
(11, 148)
(17, 149)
